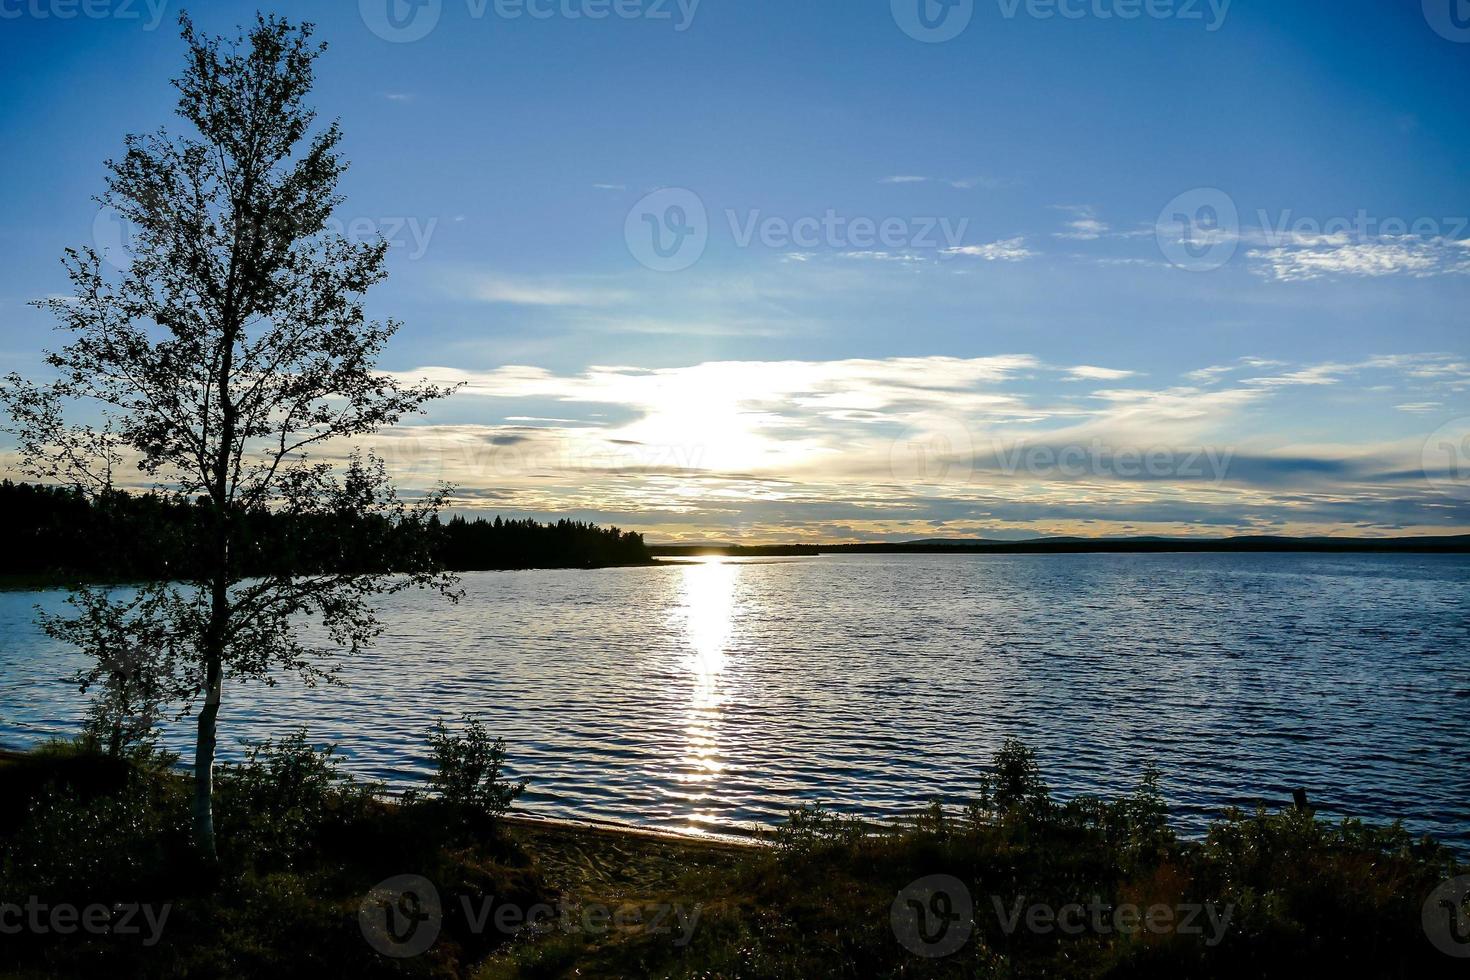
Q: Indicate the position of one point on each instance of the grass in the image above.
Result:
(1272, 893)
(1290, 895)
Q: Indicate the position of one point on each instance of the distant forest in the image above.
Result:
(51, 532)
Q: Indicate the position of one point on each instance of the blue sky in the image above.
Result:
(1200, 270)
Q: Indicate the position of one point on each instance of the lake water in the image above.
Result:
(713, 696)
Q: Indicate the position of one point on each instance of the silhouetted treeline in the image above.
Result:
(480, 544)
(1443, 544)
(54, 532)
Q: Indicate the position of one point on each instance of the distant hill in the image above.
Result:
(1156, 544)
(734, 550)
(1145, 544)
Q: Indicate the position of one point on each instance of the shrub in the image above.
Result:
(1014, 786)
(814, 828)
(277, 805)
(467, 782)
(83, 827)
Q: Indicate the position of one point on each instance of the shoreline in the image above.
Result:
(47, 582)
(523, 896)
(1264, 545)
(666, 556)
(540, 824)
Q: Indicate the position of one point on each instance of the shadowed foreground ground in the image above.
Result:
(319, 877)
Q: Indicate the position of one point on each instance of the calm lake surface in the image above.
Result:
(713, 696)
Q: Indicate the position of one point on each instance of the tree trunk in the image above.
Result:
(219, 612)
(204, 762)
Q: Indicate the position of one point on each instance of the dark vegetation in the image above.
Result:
(464, 546)
(1305, 897)
(1446, 544)
(736, 550)
(52, 534)
(301, 844)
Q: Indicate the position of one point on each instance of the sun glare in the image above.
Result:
(708, 609)
(709, 601)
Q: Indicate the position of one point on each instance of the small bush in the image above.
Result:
(467, 783)
(809, 829)
(1014, 786)
(277, 806)
(86, 847)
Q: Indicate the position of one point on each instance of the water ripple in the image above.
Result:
(714, 696)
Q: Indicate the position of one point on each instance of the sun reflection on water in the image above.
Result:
(708, 605)
(709, 608)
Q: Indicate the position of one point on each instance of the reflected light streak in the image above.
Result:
(708, 612)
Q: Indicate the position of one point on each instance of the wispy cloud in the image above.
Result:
(1085, 225)
(1327, 256)
(540, 292)
(1320, 374)
(881, 256)
(1008, 250)
(958, 183)
(1212, 373)
(873, 445)
(1087, 372)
